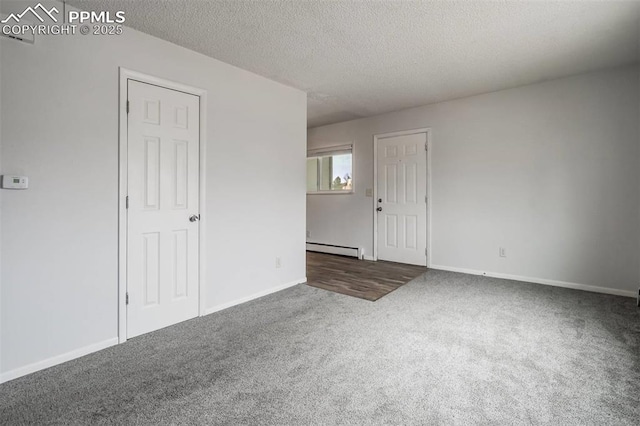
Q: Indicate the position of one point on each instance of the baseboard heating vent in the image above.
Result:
(333, 249)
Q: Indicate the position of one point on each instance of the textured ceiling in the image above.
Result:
(360, 58)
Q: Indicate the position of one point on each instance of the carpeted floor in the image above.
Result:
(446, 349)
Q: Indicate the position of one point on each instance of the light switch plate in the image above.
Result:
(15, 182)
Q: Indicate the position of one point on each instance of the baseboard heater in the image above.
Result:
(333, 249)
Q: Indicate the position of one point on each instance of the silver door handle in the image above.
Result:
(194, 218)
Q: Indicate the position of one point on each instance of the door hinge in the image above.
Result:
(127, 202)
(127, 299)
(127, 106)
(425, 252)
(425, 199)
(425, 145)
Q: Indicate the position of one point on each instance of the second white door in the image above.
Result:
(163, 207)
(402, 205)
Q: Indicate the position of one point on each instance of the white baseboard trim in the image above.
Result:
(371, 258)
(59, 359)
(544, 281)
(223, 306)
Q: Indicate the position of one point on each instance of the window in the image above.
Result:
(330, 170)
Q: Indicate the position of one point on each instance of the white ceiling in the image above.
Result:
(361, 58)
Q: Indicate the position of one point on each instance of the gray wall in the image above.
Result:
(59, 110)
(548, 171)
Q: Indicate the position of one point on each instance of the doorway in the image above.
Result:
(401, 197)
(160, 229)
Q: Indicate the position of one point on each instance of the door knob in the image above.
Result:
(379, 209)
(194, 218)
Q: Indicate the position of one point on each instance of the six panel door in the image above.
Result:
(401, 204)
(163, 190)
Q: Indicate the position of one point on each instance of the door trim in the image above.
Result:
(376, 138)
(125, 75)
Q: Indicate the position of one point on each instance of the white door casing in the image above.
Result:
(163, 144)
(401, 198)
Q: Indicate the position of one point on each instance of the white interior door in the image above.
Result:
(402, 202)
(163, 207)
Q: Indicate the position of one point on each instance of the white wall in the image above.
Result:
(548, 171)
(59, 110)
(0, 216)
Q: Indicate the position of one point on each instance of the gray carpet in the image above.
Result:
(444, 349)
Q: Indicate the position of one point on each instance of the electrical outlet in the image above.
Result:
(278, 263)
(368, 192)
(502, 252)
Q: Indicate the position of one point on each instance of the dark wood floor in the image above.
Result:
(358, 278)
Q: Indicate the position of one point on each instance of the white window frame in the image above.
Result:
(332, 150)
